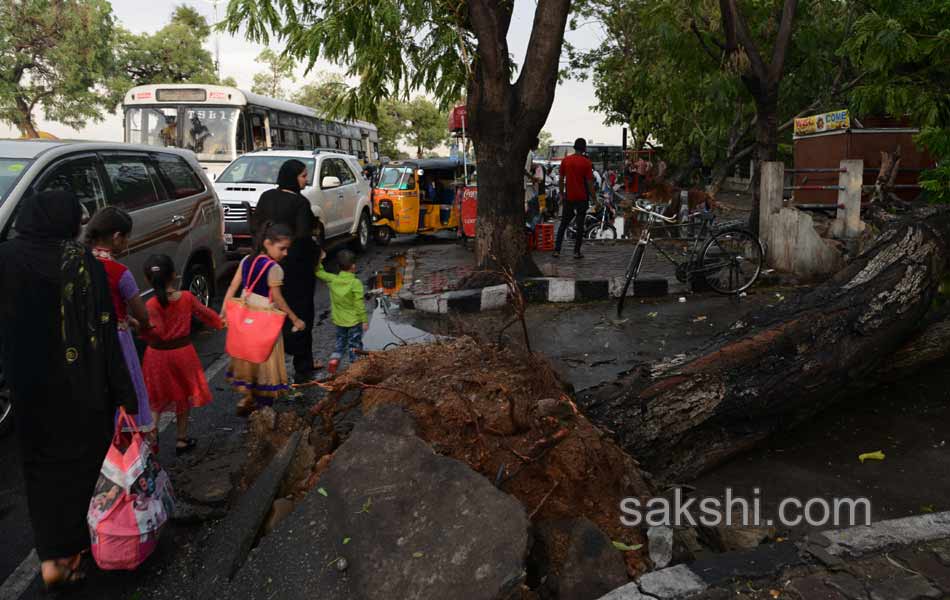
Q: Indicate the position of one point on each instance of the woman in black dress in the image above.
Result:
(66, 373)
(287, 206)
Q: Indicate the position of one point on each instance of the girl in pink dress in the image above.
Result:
(173, 374)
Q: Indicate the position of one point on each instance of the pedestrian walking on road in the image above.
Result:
(287, 206)
(347, 307)
(173, 374)
(107, 233)
(260, 383)
(64, 365)
(576, 184)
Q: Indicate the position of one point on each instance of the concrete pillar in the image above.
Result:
(771, 186)
(848, 223)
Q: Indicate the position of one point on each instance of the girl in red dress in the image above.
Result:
(173, 374)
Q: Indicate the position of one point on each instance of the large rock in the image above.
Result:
(409, 523)
(576, 561)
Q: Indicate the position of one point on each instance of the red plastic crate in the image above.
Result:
(544, 237)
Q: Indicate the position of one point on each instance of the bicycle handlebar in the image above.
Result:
(637, 207)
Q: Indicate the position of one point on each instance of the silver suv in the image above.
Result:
(173, 205)
(339, 196)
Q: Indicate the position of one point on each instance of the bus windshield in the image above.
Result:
(209, 132)
(261, 169)
(396, 178)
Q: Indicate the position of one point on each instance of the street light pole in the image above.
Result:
(217, 39)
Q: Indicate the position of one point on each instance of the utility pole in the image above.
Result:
(217, 38)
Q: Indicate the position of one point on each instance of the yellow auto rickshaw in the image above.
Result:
(416, 196)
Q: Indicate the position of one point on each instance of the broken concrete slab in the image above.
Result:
(211, 482)
(674, 582)
(627, 592)
(408, 524)
(420, 525)
(865, 539)
(233, 538)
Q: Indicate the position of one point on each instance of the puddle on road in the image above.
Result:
(386, 332)
(390, 280)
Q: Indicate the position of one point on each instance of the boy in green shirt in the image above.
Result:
(347, 308)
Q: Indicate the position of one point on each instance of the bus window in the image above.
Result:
(241, 135)
(258, 132)
(152, 126)
(323, 141)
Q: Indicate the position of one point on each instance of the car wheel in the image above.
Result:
(6, 405)
(361, 243)
(198, 282)
(383, 235)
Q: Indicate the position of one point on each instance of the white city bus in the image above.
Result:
(220, 123)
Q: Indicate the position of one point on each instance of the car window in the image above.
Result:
(346, 174)
(261, 169)
(180, 178)
(328, 168)
(80, 177)
(132, 185)
(11, 169)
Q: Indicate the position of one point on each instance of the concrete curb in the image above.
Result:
(683, 580)
(535, 290)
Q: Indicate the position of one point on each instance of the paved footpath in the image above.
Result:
(900, 559)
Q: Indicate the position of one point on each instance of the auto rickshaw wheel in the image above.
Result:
(383, 235)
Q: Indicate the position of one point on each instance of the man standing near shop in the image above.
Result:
(576, 187)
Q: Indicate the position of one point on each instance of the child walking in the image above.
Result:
(173, 374)
(107, 233)
(260, 383)
(347, 307)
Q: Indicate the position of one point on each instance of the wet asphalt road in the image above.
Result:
(215, 426)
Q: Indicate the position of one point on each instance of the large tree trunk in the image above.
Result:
(778, 366)
(25, 119)
(504, 121)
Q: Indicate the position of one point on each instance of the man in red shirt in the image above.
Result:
(578, 172)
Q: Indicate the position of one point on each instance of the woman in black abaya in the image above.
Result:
(66, 374)
(287, 206)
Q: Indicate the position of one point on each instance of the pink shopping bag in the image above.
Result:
(132, 501)
(252, 331)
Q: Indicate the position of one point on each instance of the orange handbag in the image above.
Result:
(252, 331)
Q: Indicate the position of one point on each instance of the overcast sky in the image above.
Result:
(570, 117)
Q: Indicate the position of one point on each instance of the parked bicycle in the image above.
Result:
(729, 260)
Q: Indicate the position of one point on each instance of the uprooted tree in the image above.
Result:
(446, 49)
(882, 315)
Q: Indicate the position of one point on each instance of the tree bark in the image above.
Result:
(25, 119)
(779, 366)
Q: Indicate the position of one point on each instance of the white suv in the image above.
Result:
(339, 195)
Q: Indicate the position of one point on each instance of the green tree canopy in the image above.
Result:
(903, 47)
(278, 72)
(663, 71)
(545, 139)
(323, 94)
(55, 55)
(448, 50)
(426, 125)
(173, 54)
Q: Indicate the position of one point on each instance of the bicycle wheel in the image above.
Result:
(607, 231)
(731, 261)
(632, 269)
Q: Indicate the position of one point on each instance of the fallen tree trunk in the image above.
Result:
(781, 365)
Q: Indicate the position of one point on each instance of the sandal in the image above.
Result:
(189, 445)
(67, 576)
